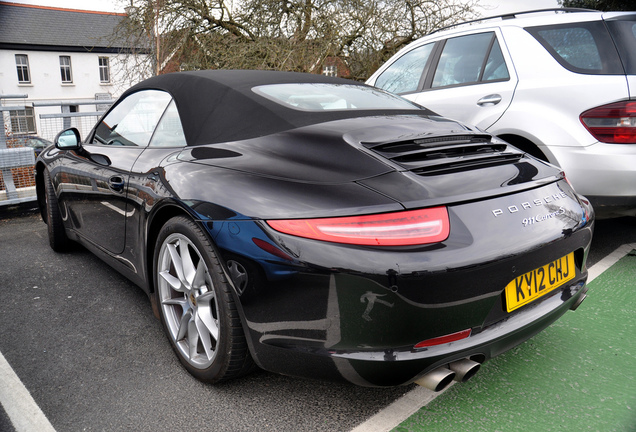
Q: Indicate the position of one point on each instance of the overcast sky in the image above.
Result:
(493, 7)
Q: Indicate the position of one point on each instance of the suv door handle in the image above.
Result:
(492, 99)
(116, 183)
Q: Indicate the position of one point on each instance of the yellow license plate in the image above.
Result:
(532, 285)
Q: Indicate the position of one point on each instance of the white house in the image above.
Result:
(52, 54)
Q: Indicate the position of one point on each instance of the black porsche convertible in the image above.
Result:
(319, 227)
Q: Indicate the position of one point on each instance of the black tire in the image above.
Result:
(55, 226)
(196, 306)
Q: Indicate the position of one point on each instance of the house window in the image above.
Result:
(104, 70)
(331, 71)
(65, 69)
(22, 65)
(22, 121)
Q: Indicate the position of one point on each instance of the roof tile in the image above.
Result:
(55, 27)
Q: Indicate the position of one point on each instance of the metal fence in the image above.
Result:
(17, 158)
(51, 124)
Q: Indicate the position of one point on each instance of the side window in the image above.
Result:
(470, 59)
(65, 69)
(496, 68)
(133, 120)
(575, 45)
(169, 132)
(22, 66)
(404, 74)
(22, 121)
(104, 70)
(585, 48)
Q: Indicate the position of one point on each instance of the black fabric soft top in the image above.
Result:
(219, 105)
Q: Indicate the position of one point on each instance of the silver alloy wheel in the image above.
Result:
(188, 300)
(239, 275)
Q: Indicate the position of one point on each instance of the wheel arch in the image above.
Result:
(528, 146)
(239, 359)
(157, 220)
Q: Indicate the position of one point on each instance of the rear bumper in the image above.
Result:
(394, 366)
(605, 173)
(488, 343)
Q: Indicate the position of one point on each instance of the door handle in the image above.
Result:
(492, 99)
(116, 183)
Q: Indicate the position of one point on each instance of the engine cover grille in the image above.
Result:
(446, 154)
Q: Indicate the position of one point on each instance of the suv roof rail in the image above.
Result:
(512, 15)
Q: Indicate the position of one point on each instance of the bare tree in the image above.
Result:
(601, 5)
(387, 26)
(297, 35)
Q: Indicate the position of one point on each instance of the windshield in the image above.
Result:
(332, 97)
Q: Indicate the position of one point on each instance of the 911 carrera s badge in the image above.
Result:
(542, 218)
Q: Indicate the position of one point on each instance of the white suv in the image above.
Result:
(560, 85)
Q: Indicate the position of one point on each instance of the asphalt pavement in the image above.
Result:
(86, 345)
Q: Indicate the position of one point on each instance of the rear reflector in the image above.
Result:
(453, 337)
(614, 123)
(270, 248)
(412, 227)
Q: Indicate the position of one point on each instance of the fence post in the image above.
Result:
(66, 121)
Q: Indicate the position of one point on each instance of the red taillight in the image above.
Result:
(614, 123)
(453, 337)
(390, 229)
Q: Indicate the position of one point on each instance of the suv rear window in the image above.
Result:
(623, 31)
(584, 47)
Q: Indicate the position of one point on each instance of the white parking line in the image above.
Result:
(22, 410)
(598, 268)
(400, 410)
(404, 407)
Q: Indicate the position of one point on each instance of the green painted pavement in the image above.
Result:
(577, 375)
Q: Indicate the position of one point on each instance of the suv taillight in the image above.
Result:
(614, 123)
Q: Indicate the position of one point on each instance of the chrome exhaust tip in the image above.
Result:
(437, 380)
(464, 369)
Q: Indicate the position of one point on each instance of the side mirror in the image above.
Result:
(68, 139)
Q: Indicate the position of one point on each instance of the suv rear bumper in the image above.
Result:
(610, 206)
(604, 173)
